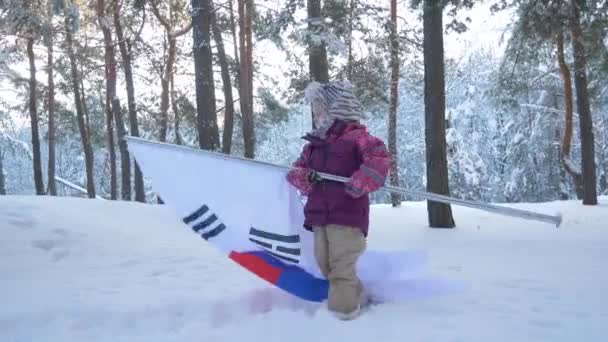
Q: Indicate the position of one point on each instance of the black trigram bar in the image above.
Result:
(261, 243)
(195, 215)
(295, 261)
(273, 236)
(292, 251)
(204, 224)
(214, 232)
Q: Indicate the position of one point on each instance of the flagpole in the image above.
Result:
(501, 210)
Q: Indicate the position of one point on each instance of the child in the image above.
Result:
(338, 213)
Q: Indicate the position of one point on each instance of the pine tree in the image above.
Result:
(208, 132)
(392, 122)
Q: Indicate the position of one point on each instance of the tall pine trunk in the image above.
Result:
(110, 142)
(112, 110)
(235, 42)
(125, 52)
(568, 129)
(125, 159)
(349, 39)
(178, 136)
(317, 53)
(2, 179)
(52, 185)
(248, 119)
(208, 133)
(246, 75)
(164, 94)
(392, 118)
(318, 65)
(34, 119)
(167, 76)
(584, 110)
(439, 214)
(227, 86)
(82, 126)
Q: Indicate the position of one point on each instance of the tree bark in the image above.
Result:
(439, 214)
(114, 110)
(84, 135)
(584, 110)
(178, 136)
(568, 129)
(52, 185)
(125, 159)
(235, 43)
(349, 41)
(317, 53)
(111, 150)
(318, 65)
(125, 52)
(392, 119)
(2, 179)
(227, 85)
(248, 119)
(34, 119)
(208, 133)
(112, 103)
(167, 76)
(246, 75)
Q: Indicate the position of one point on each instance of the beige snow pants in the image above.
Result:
(337, 249)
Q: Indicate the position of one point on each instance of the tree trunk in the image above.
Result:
(319, 69)
(34, 119)
(125, 159)
(178, 136)
(85, 108)
(235, 43)
(2, 179)
(584, 110)
(112, 110)
(440, 215)
(349, 41)
(227, 85)
(246, 75)
(111, 150)
(249, 134)
(208, 133)
(84, 135)
(125, 52)
(52, 185)
(317, 53)
(164, 95)
(114, 104)
(167, 76)
(568, 102)
(392, 118)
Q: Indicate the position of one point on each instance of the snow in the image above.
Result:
(76, 269)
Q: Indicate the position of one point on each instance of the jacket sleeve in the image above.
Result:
(375, 167)
(298, 176)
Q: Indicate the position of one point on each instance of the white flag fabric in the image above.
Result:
(250, 212)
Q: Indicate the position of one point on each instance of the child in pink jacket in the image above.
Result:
(338, 213)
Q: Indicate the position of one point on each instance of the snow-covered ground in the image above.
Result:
(92, 270)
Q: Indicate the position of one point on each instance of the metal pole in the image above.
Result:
(525, 214)
(501, 210)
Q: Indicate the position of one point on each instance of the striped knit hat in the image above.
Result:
(337, 98)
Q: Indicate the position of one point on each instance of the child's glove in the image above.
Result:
(314, 177)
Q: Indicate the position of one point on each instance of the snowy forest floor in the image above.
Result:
(92, 270)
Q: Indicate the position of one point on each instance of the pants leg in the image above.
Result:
(345, 246)
(321, 249)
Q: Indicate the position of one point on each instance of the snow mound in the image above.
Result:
(94, 270)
